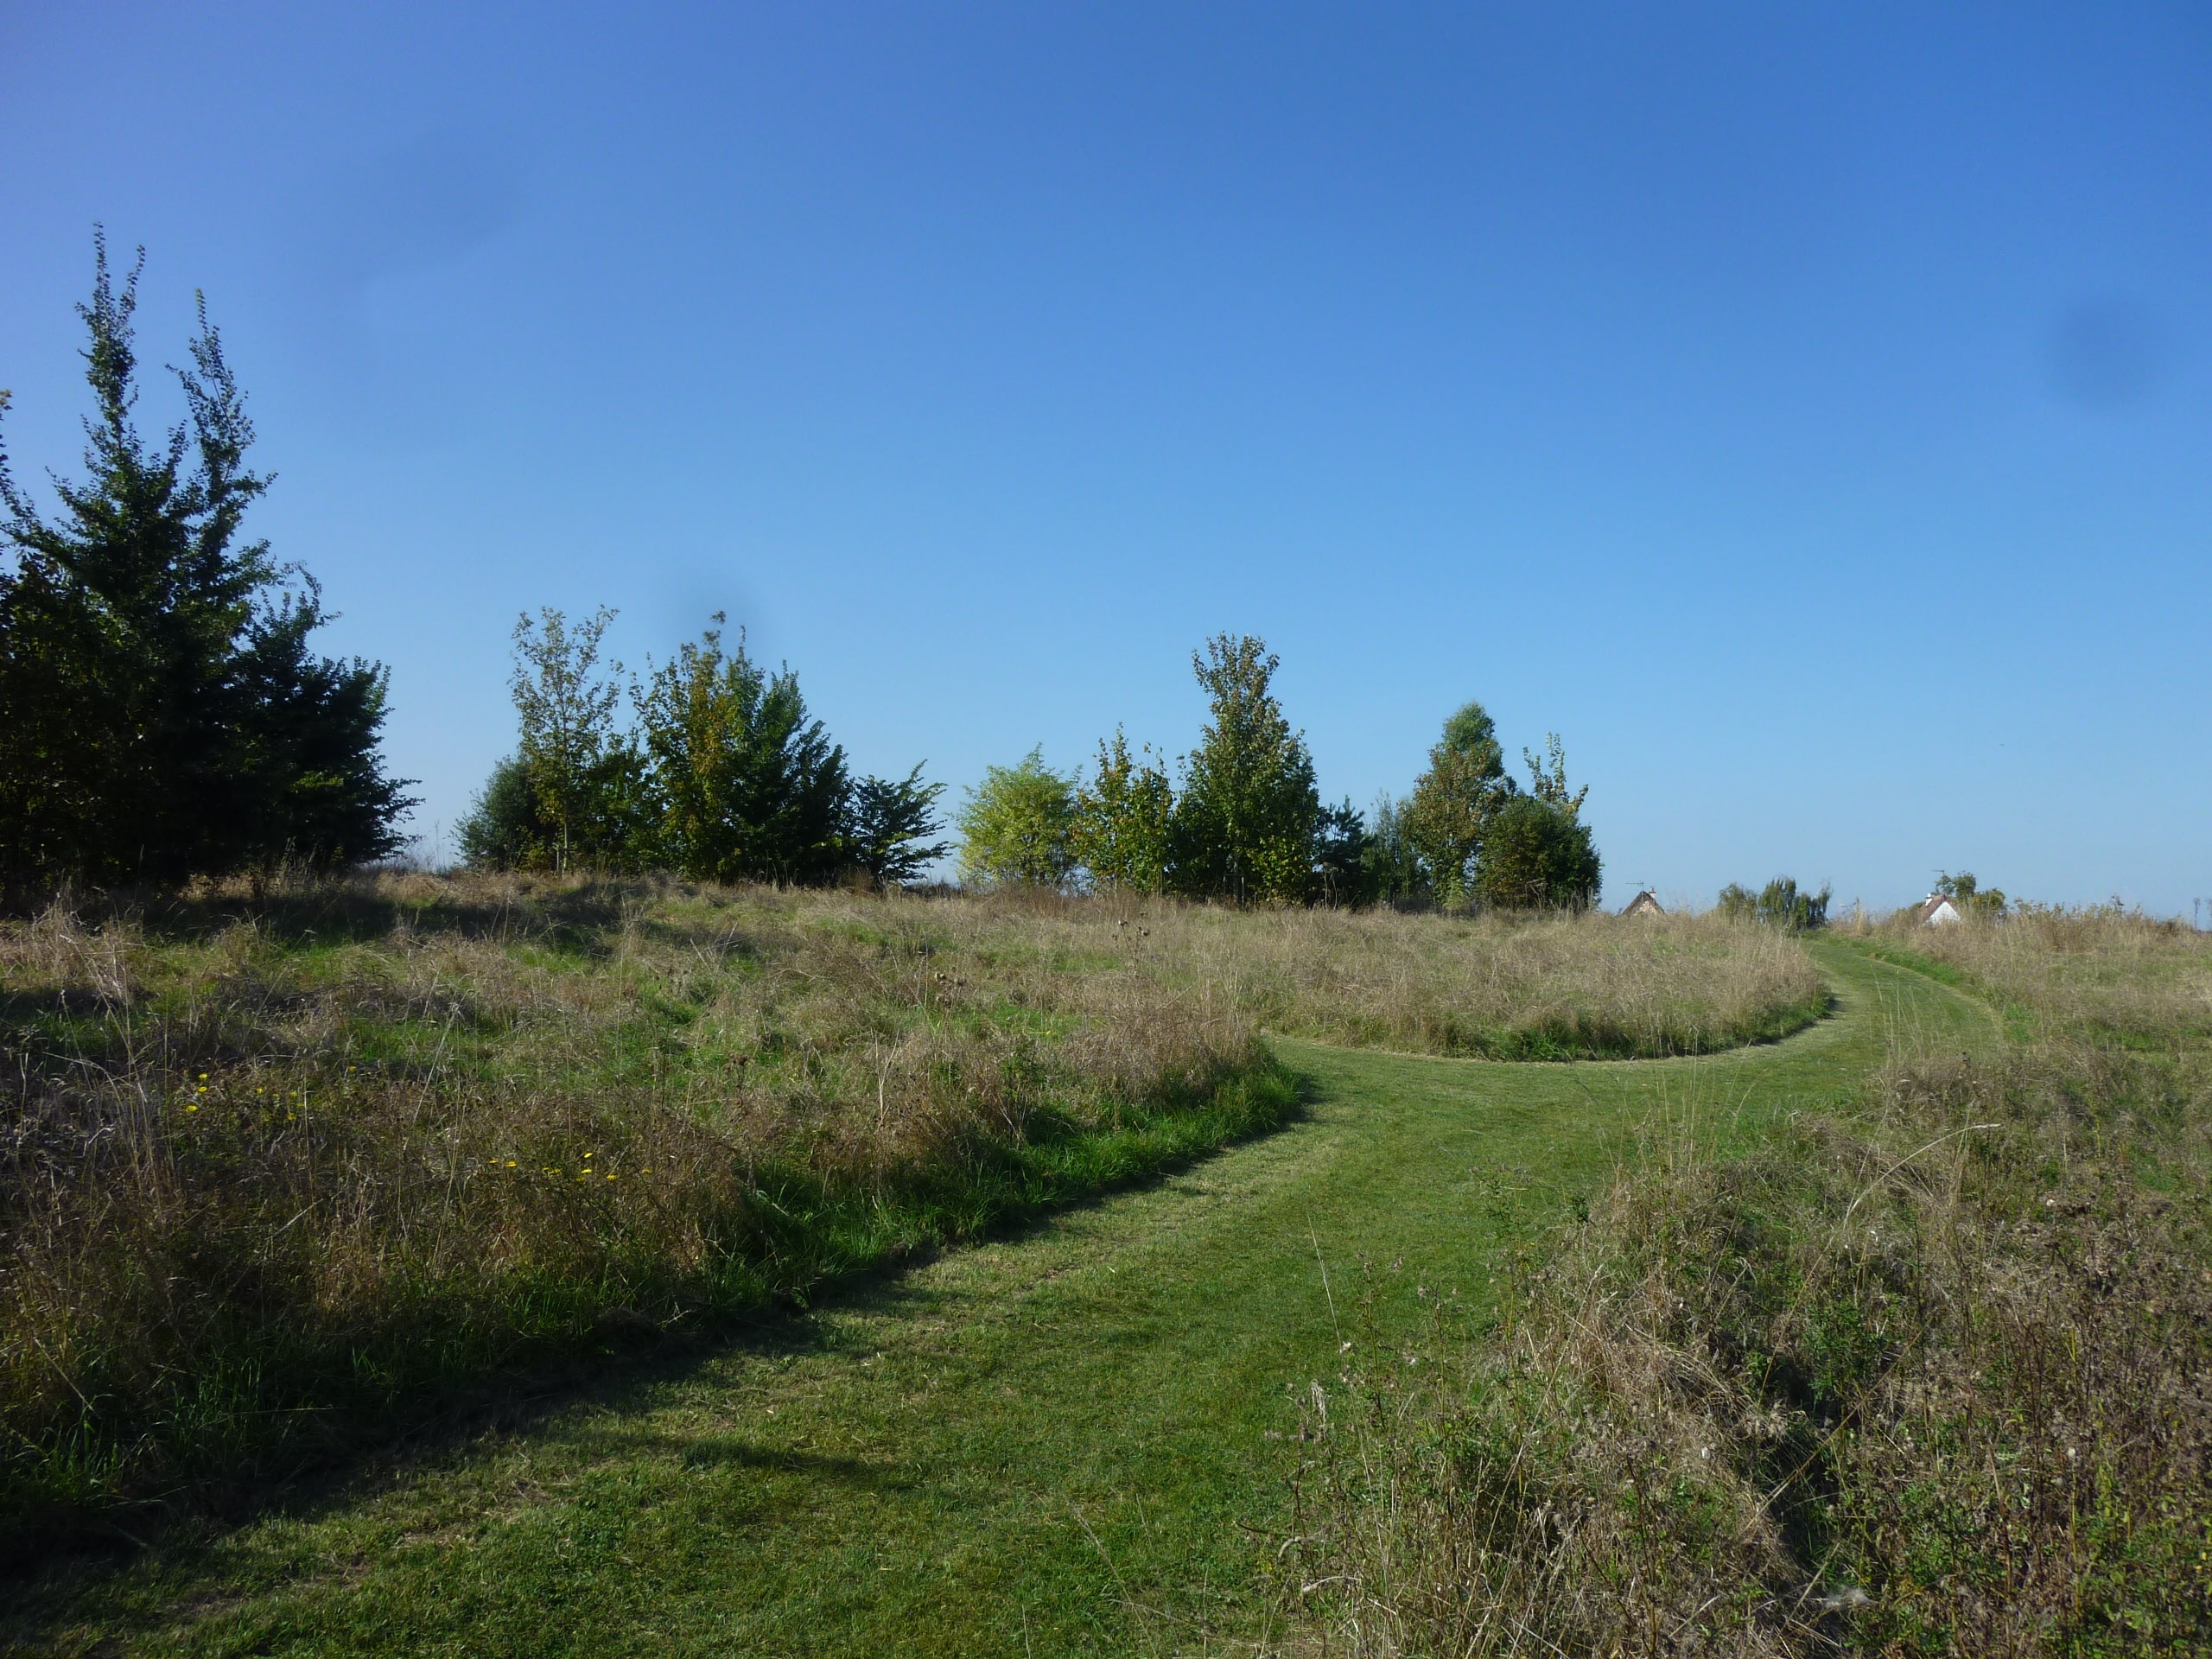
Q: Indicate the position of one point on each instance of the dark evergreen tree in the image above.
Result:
(161, 713)
(505, 828)
(888, 825)
(749, 788)
(1342, 869)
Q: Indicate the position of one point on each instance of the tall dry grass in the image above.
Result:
(1496, 987)
(2104, 973)
(1937, 1379)
(274, 1168)
(278, 1166)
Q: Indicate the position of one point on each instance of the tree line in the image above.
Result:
(721, 773)
(1246, 822)
(164, 716)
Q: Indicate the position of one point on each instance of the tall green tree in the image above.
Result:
(1445, 819)
(1246, 822)
(750, 786)
(1391, 870)
(889, 821)
(162, 713)
(1124, 820)
(1016, 827)
(584, 776)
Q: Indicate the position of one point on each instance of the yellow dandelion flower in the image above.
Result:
(510, 1163)
(191, 1109)
(610, 1178)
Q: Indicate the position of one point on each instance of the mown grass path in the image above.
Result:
(1070, 1441)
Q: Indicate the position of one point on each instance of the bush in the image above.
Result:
(1537, 856)
(1779, 904)
(1017, 826)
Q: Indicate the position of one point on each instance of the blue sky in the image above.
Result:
(1806, 412)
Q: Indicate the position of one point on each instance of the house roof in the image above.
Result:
(1646, 901)
(1926, 910)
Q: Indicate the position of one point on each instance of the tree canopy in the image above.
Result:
(1445, 819)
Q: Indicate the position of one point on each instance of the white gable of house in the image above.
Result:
(1941, 913)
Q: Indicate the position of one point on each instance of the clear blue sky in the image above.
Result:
(1806, 412)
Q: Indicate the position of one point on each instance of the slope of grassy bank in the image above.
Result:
(2103, 976)
(1074, 1440)
(1925, 1375)
(286, 1169)
(281, 1172)
(1557, 988)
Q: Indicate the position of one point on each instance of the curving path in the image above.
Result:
(1066, 1442)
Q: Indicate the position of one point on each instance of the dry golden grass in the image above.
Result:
(271, 1167)
(1504, 988)
(2103, 972)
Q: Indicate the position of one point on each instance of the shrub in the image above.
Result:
(1537, 856)
(1779, 904)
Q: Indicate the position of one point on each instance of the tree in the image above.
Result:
(506, 828)
(1779, 904)
(887, 824)
(1124, 820)
(1547, 778)
(1536, 855)
(1971, 898)
(749, 787)
(1245, 825)
(1446, 818)
(1391, 870)
(161, 713)
(1341, 870)
(586, 778)
(1015, 827)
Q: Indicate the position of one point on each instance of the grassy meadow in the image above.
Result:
(1924, 1375)
(289, 1167)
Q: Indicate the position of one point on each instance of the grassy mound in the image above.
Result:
(1555, 987)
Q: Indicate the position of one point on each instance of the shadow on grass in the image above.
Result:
(584, 1398)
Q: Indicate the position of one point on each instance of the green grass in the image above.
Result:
(1071, 1440)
